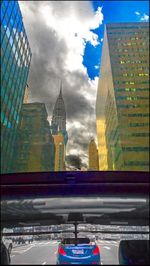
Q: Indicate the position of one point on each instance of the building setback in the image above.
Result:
(93, 156)
(15, 63)
(35, 150)
(122, 105)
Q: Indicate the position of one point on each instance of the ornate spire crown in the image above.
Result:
(59, 112)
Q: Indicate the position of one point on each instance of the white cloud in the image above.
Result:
(76, 32)
(137, 13)
(145, 18)
(75, 125)
(93, 91)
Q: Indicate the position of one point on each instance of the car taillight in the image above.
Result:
(96, 251)
(61, 251)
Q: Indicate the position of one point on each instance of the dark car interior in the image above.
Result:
(5, 256)
(134, 252)
(112, 198)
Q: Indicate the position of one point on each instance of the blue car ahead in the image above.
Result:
(82, 252)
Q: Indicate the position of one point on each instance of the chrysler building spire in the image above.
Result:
(59, 112)
(60, 93)
(59, 115)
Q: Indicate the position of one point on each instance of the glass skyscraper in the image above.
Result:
(122, 107)
(15, 63)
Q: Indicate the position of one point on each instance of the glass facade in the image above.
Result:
(93, 156)
(122, 106)
(15, 62)
(35, 150)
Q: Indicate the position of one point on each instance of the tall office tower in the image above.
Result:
(59, 132)
(15, 63)
(93, 156)
(34, 144)
(58, 123)
(122, 106)
(59, 152)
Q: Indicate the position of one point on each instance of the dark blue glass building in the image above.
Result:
(15, 63)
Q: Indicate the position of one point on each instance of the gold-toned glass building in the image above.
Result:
(93, 156)
(122, 105)
(59, 152)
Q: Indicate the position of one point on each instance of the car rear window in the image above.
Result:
(73, 241)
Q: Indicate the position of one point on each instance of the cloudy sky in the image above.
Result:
(66, 40)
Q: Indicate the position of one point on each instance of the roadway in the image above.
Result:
(44, 252)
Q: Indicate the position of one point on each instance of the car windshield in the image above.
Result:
(73, 241)
(74, 130)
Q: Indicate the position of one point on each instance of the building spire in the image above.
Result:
(60, 93)
(59, 116)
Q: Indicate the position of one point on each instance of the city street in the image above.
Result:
(44, 252)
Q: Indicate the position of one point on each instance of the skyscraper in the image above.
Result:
(35, 149)
(59, 117)
(93, 156)
(59, 132)
(15, 63)
(122, 105)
